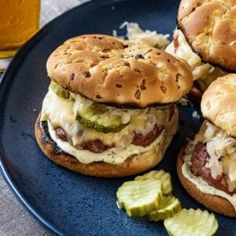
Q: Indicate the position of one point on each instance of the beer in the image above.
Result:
(19, 20)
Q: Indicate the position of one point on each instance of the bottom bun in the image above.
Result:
(212, 202)
(133, 165)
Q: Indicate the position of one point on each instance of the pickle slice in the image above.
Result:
(95, 117)
(170, 205)
(191, 222)
(164, 107)
(161, 175)
(59, 91)
(139, 197)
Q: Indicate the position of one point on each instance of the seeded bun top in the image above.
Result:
(110, 70)
(218, 103)
(210, 28)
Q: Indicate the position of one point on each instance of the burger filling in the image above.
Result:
(200, 167)
(77, 124)
(210, 162)
(204, 74)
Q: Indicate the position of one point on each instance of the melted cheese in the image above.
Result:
(59, 112)
(62, 113)
(206, 188)
(229, 167)
(122, 138)
(111, 155)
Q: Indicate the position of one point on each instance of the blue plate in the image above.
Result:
(69, 203)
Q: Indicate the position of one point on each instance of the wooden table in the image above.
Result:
(14, 218)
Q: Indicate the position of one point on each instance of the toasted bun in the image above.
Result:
(209, 27)
(212, 202)
(108, 70)
(133, 165)
(218, 103)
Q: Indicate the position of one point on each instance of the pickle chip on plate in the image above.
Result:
(140, 196)
(191, 222)
(169, 207)
(161, 175)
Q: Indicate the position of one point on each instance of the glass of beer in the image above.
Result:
(19, 20)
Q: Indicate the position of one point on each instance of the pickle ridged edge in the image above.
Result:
(191, 222)
(169, 207)
(138, 198)
(61, 92)
(161, 175)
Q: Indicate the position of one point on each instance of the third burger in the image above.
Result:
(207, 165)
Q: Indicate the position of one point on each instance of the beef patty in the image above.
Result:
(198, 168)
(97, 146)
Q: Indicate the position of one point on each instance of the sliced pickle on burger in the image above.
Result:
(164, 107)
(59, 91)
(98, 117)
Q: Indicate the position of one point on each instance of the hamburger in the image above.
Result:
(206, 39)
(207, 165)
(110, 108)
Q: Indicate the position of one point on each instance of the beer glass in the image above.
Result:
(19, 20)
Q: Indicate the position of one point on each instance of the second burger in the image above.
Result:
(205, 38)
